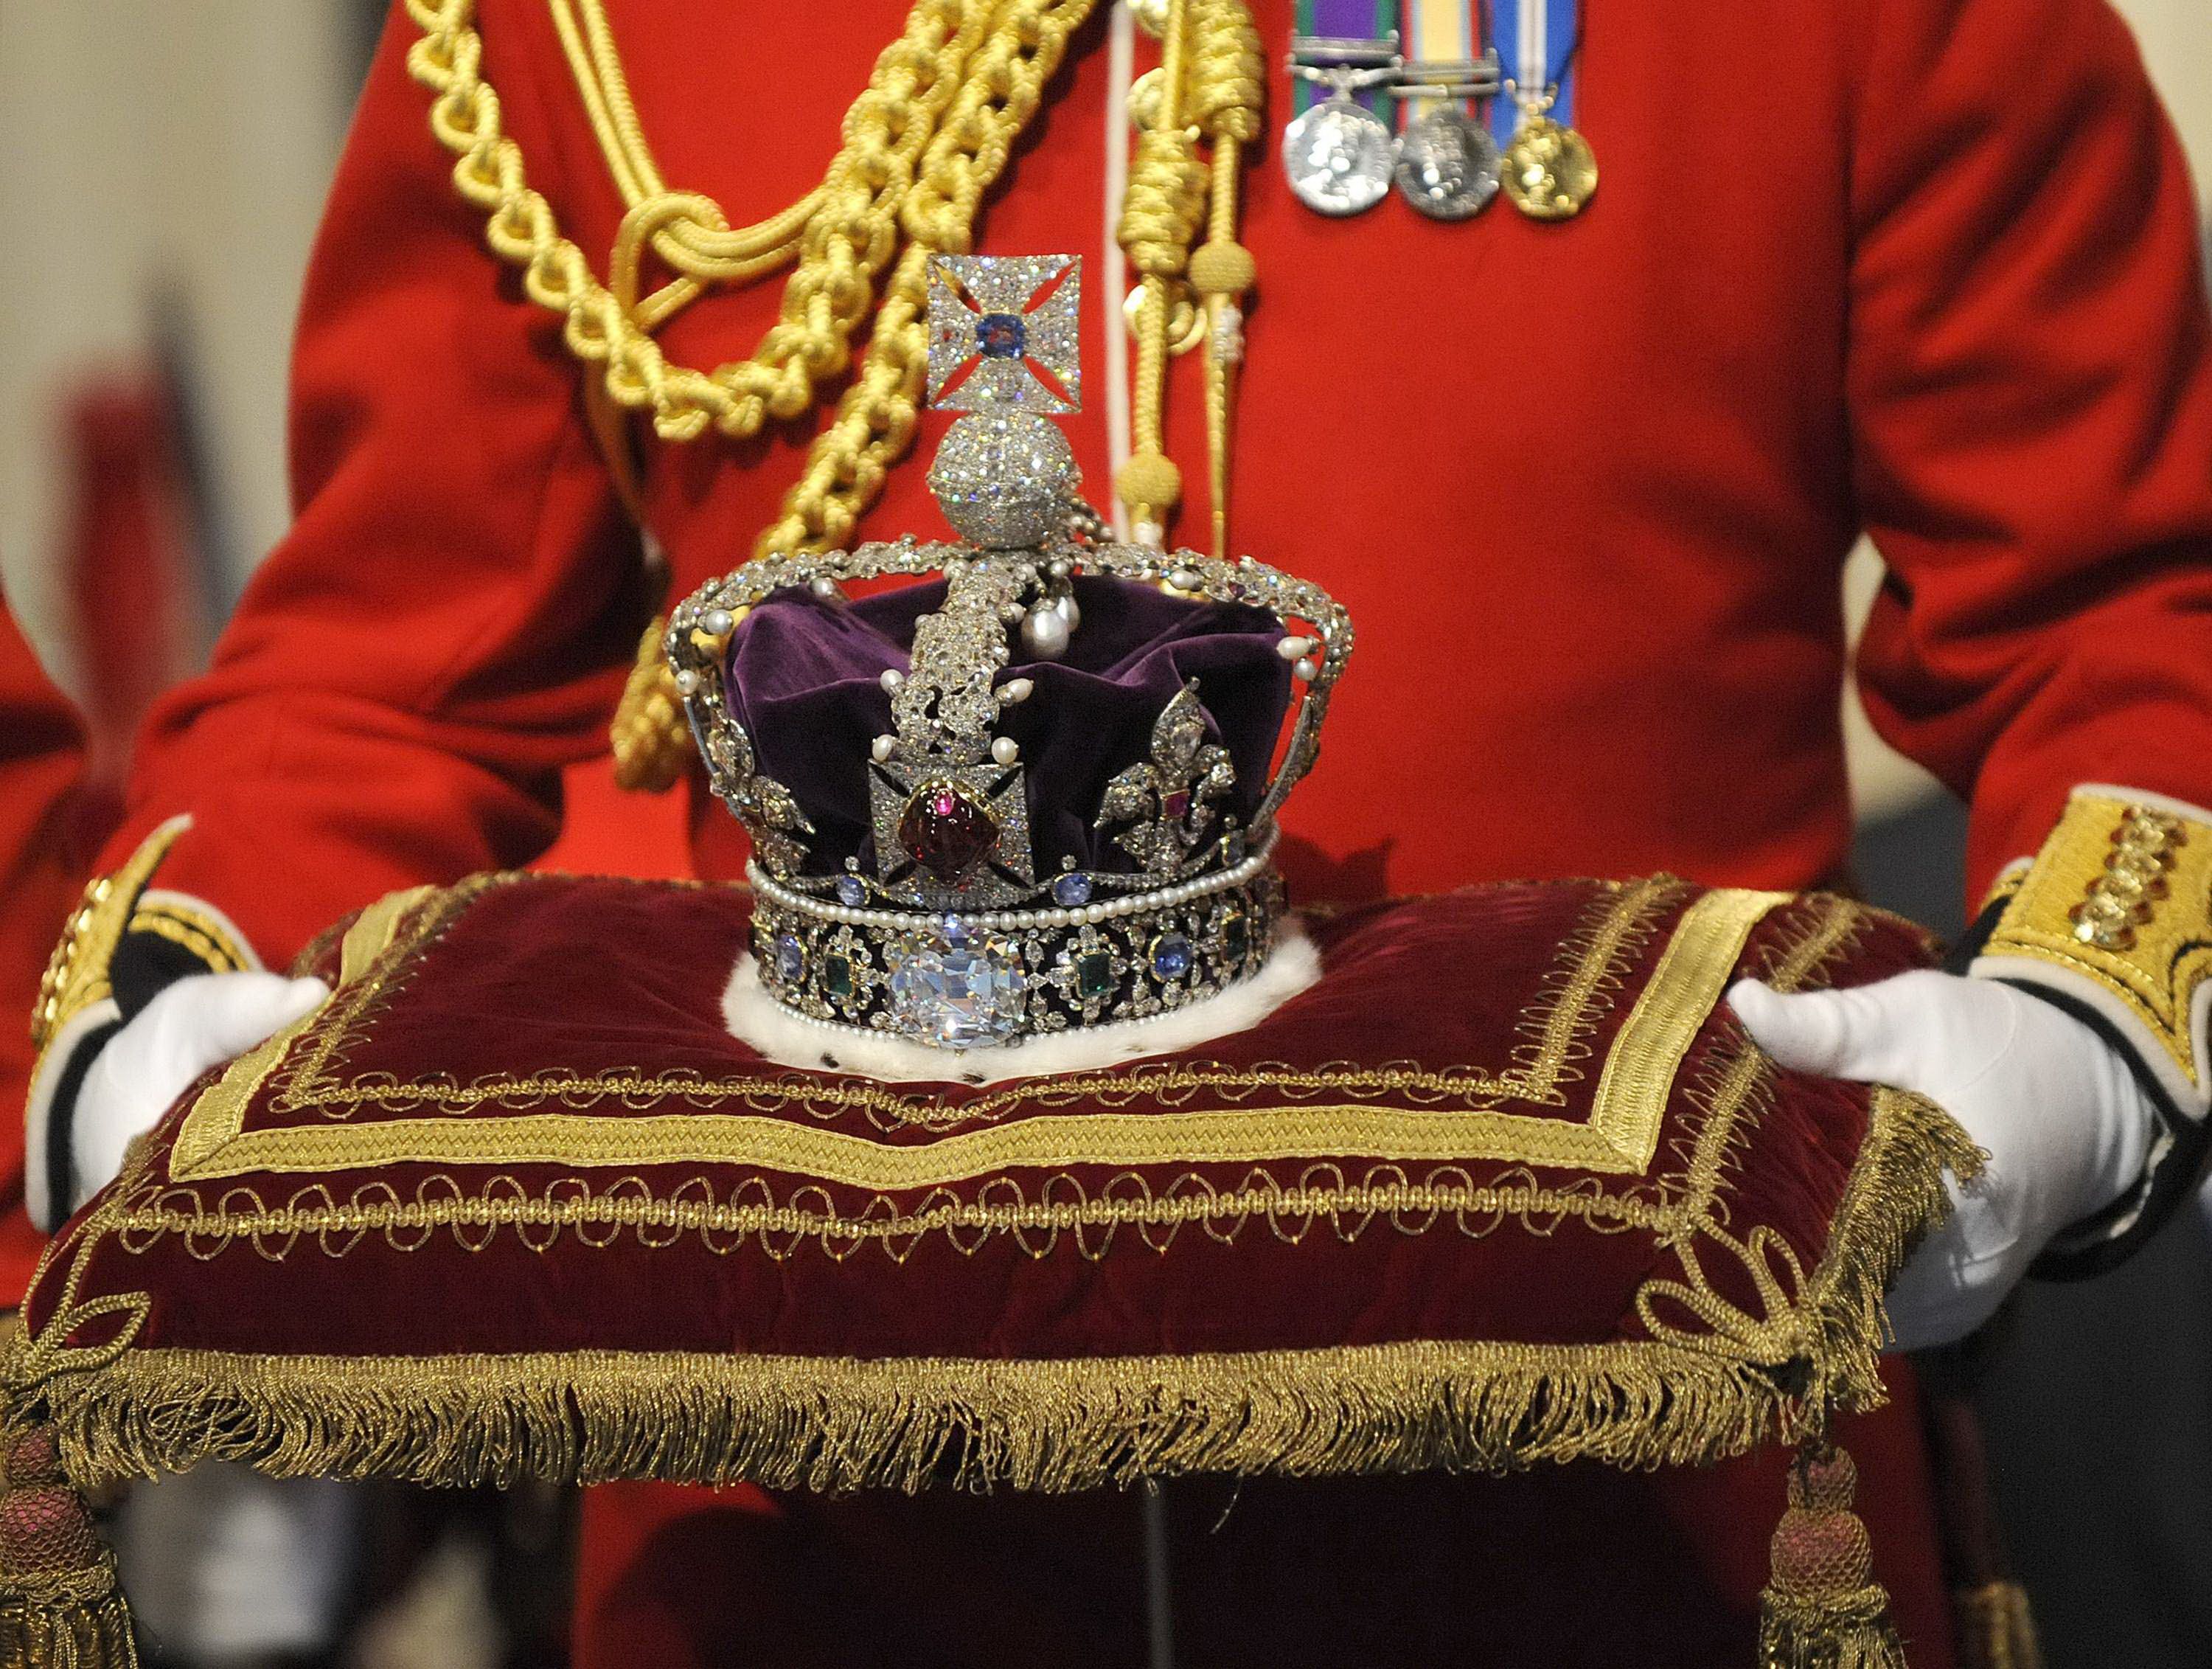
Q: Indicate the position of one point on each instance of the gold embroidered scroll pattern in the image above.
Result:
(1591, 965)
(1708, 938)
(1324, 1196)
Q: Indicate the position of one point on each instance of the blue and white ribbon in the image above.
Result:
(1536, 41)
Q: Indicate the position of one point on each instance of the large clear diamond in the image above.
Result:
(960, 991)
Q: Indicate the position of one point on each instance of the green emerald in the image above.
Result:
(837, 974)
(1094, 974)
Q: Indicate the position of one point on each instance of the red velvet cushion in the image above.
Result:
(1508, 1184)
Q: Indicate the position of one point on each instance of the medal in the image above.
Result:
(1550, 172)
(1337, 153)
(1446, 165)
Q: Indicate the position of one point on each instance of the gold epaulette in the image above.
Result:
(2118, 904)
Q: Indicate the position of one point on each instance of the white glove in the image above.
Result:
(2067, 1128)
(199, 1022)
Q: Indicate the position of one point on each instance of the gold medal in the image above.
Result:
(1549, 173)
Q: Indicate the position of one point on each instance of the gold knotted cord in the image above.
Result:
(927, 137)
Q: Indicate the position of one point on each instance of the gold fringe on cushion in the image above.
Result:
(836, 1424)
(840, 1424)
(1823, 1609)
(59, 1605)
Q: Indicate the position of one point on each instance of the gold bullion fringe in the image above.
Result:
(840, 1424)
(37, 1634)
(1895, 1196)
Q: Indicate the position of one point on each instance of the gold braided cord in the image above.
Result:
(933, 129)
(1211, 81)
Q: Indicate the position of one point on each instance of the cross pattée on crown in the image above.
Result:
(1003, 349)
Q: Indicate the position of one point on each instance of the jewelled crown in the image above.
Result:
(1038, 790)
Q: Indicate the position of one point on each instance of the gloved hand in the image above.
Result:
(2067, 1127)
(199, 1022)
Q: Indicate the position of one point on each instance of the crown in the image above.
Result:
(1039, 789)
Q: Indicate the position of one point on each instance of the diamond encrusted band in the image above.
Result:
(980, 981)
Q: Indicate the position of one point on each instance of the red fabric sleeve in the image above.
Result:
(41, 867)
(2031, 382)
(448, 621)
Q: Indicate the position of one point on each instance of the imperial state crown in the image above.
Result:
(1039, 790)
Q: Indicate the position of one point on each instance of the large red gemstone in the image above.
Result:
(946, 831)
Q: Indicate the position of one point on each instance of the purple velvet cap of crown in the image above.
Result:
(804, 680)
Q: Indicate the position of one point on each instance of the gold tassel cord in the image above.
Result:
(933, 129)
(1823, 1609)
(60, 1607)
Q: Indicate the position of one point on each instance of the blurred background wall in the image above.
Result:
(162, 168)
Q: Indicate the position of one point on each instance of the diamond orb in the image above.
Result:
(961, 990)
(1005, 479)
(1071, 891)
(945, 831)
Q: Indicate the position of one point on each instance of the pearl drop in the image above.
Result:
(1015, 690)
(891, 679)
(1045, 633)
(1070, 609)
(716, 621)
(1005, 751)
(1307, 669)
(880, 749)
(824, 586)
(1185, 579)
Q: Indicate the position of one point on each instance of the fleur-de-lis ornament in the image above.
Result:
(1170, 799)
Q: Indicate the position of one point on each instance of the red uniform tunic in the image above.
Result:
(1922, 267)
(43, 842)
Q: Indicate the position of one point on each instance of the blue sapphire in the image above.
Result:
(1171, 954)
(852, 891)
(790, 958)
(1071, 891)
(1001, 335)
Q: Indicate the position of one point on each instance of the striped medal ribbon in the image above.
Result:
(1338, 151)
(1448, 162)
(1549, 171)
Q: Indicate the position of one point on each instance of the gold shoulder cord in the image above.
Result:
(933, 130)
(2121, 896)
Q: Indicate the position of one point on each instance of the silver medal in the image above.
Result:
(1338, 156)
(1448, 165)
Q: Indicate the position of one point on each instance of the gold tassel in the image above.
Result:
(1997, 1629)
(1823, 1609)
(652, 742)
(59, 1605)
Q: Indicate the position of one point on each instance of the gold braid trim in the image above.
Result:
(76, 977)
(199, 931)
(1682, 1397)
(2121, 898)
